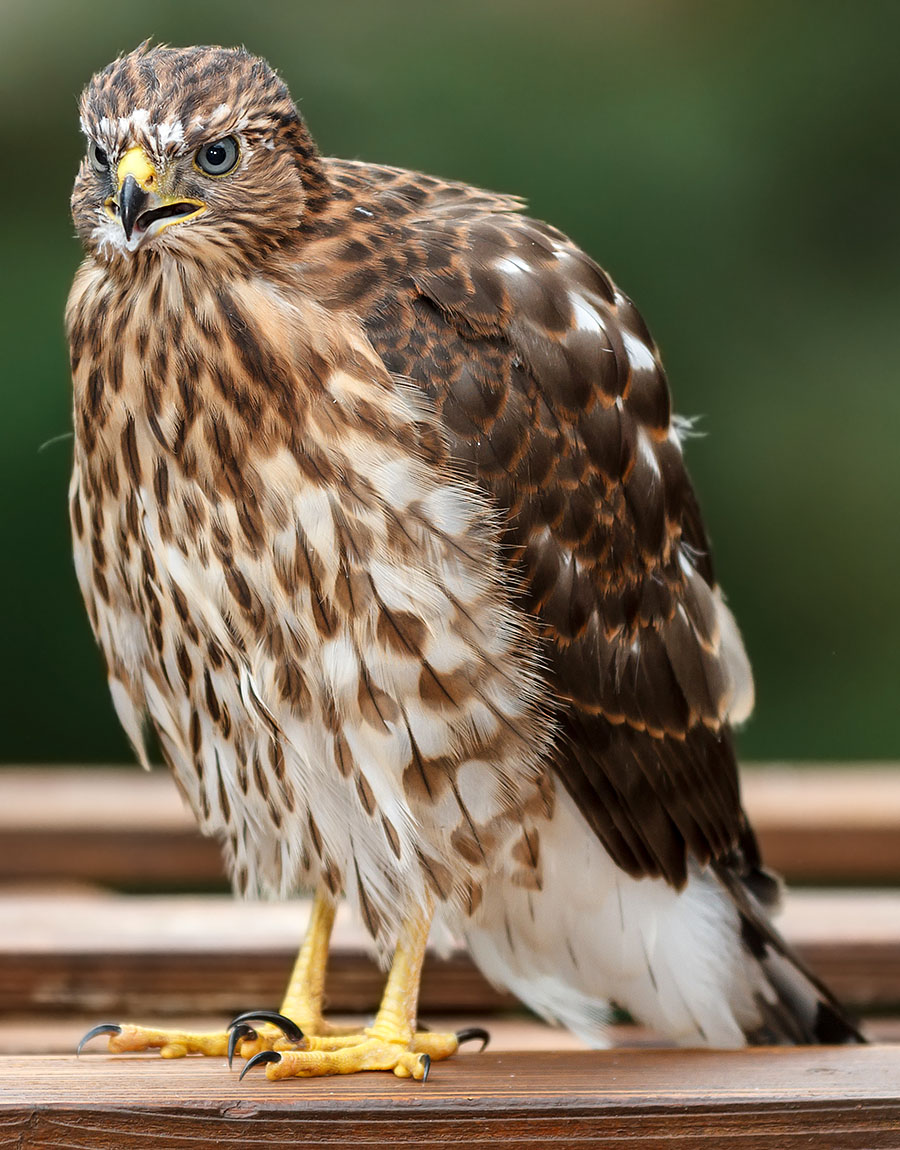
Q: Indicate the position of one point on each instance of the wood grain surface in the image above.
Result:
(73, 954)
(86, 950)
(827, 1098)
(125, 827)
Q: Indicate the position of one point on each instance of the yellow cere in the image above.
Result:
(135, 163)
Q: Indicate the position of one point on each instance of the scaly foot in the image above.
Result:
(127, 1038)
(372, 1052)
(280, 1032)
(369, 1053)
(237, 1039)
(277, 1034)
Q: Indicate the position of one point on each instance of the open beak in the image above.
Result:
(138, 202)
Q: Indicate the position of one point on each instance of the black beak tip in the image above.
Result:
(132, 200)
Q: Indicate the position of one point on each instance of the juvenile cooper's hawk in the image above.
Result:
(383, 527)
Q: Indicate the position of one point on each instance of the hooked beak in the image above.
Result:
(138, 203)
(132, 201)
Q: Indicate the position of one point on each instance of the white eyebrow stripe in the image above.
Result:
(138, 128)
(169, 133)
(166, 136)
(138, 120)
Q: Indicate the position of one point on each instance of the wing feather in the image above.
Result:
(554, 399)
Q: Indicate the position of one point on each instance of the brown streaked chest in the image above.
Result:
(281, 569)
(220, 501)
(184, 393)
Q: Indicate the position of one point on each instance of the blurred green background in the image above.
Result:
(734, 165)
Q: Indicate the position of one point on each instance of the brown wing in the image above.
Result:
(553, 396)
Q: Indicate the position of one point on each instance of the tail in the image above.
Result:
(796, 1008)
(703, 965)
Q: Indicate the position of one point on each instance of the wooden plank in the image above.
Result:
(146, 955)
(124, 827)
(179, 954)
(762, 1099)
(103, 824)
(60, 1034)
(827, 823)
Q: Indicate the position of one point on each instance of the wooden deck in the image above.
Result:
(74, 952)
(120, 825)
(825, 1098)
(69, 950)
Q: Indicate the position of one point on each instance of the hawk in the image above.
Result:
(382, 522)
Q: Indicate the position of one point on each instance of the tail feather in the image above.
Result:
(795, 1006)
(703, 965)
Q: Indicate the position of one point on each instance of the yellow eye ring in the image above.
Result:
(218, 158)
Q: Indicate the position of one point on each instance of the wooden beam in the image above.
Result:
(145, 955)
(126, 828)
(101, 824)
(181, 954)
(827, 823)
(759, 1099)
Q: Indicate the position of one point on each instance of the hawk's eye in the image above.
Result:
(218, 158)
(99, 159)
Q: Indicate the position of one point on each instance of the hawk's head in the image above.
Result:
(192, 150)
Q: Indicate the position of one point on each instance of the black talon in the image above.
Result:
(238, 1033)
(287, 1026)
(473, 1032)
(103, 1028)
(426, 1062)
(263, 1056)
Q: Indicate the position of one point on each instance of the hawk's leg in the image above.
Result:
(299, 1025)
(391, 1043)
(305, 993)
(302, 1005)
(304, 996)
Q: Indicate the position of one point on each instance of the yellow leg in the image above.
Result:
(302, 1003)
(304, 996)
(391, 1043)
(305, 993)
